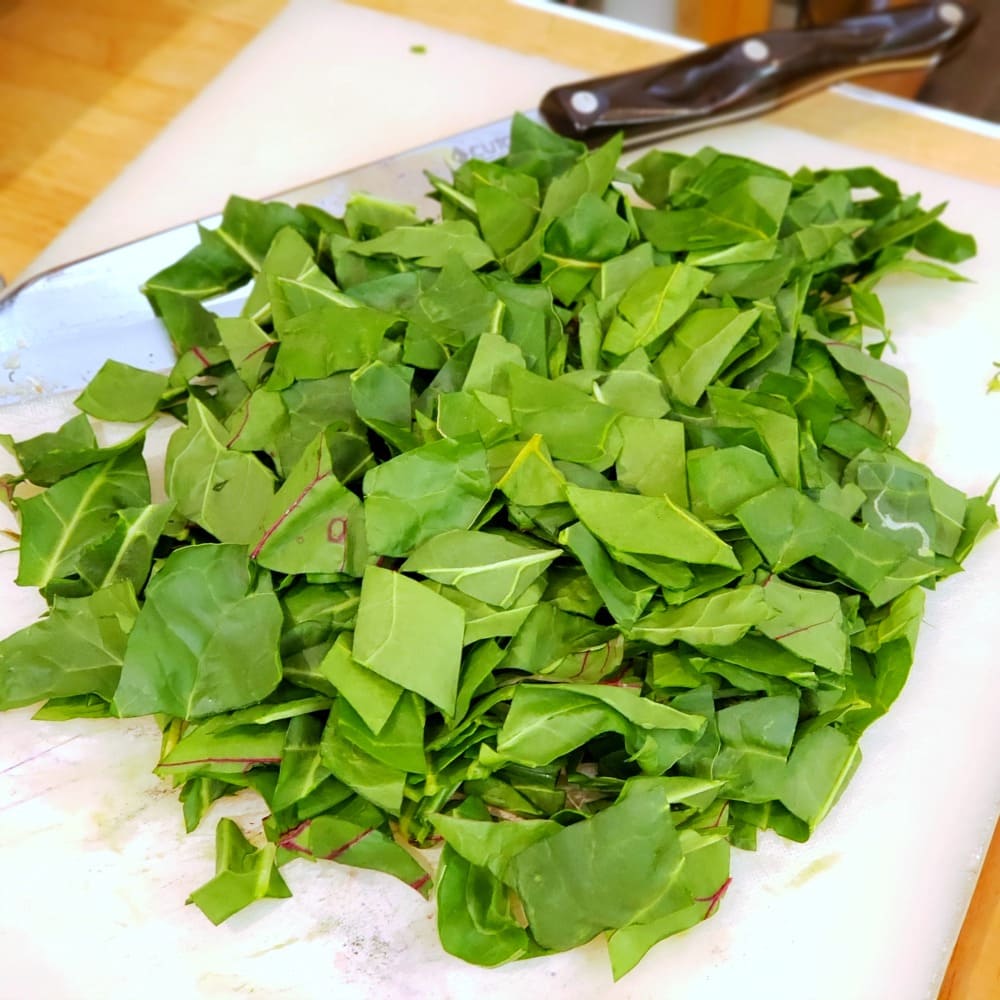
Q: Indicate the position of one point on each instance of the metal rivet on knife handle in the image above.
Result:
(755, 50)
(584, 102)
(951, 13)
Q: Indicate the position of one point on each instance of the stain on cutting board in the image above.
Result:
(813, 869)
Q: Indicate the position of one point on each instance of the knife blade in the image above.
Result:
(49, 323)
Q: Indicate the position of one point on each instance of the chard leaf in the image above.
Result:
(591, 174)
(374, 781)
(83, 706)
(313, 524)
(247, 345)
(704, 878)
(197, 796)
(651, 460)
(126, 553)
(340, 839)
(328, 339)
(888, 385)
(546, 722)
(400, 741)
(371, 696)
(944, 243)
(552, 643)
(226, 754)
(719, 619)
(699, 349)
(748, 211)
(756, 739)
(431, 246)
(121, 392)
(810, 623)
(774, 423)
(788, 527)
(191, 326)
(648, 526)
(211, 268)
(574, 426)
(490, 567)
(590, 230)
(720, 479)
(249, 227)
(891, 641)
(530, 478)
(437, 487)
(410, 636)
(475, 918)
(652, 304)
(754, 662)
(302, 769)
(226, 492)
(77, 649)
(60, 525)
(631, 848)
(206, 640)
(487, 844)
(625, 593)
(506, 206)
(820, 766)
(49, 457)
(243, 874)
(538, 151)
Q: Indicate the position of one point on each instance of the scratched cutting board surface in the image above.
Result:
(96, 864)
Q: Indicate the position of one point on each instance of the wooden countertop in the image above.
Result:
(86, 84)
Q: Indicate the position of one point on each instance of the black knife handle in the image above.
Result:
(754, 74)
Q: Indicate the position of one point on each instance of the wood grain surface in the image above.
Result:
(723, 19)
(86, 84)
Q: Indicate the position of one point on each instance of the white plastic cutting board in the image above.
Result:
(96, 866)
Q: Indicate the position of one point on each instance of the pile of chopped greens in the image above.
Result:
(567, 532)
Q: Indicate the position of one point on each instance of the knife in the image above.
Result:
(48, 323)
(754, 74)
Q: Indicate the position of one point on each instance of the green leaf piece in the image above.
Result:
(566, 532)
(821, 764)
(370, 695)
(243, 874)
(719, 619)
(438, 487)
(127, 553)
(490, 567)
(652, 304)
(631, 848)
(312, 524)
(77, 649)
(206, 640)
(226, 492)
(121, 392)
(431, 246)
(410, 636)
(652, 526)
(699, 349)
(60, 525)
